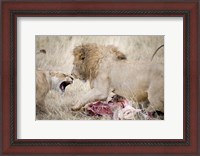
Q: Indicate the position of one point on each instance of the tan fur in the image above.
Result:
(107, 69)
(45, 81)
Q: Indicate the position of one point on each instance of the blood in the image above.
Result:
(99, 108)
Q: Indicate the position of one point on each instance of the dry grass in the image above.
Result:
(59, 58)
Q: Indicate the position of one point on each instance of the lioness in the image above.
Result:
(107, 69)
(46, 80)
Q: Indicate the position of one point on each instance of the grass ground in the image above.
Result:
(59, 57)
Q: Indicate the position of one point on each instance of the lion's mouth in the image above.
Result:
(64, 84)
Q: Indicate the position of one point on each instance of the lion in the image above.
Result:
(47, 80)
(108, 70)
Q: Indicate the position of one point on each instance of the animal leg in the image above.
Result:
(91, 96)
(156, 97)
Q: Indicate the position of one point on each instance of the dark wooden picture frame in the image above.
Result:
(188, 10)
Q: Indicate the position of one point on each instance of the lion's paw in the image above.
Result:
(76, 107)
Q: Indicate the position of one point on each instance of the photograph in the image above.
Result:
(91, 77)
(100, 78)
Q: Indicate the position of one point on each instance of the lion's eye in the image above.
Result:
(82, 58)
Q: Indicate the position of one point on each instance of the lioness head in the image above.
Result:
(59, 81)
(87, 58)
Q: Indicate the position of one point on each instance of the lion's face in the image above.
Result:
(87, 58)
(78, 70)
(60, 81)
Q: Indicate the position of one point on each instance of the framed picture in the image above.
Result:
(100, 77)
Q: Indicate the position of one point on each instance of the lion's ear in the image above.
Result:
(52, 73)
(121, 56)
(118, 54)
